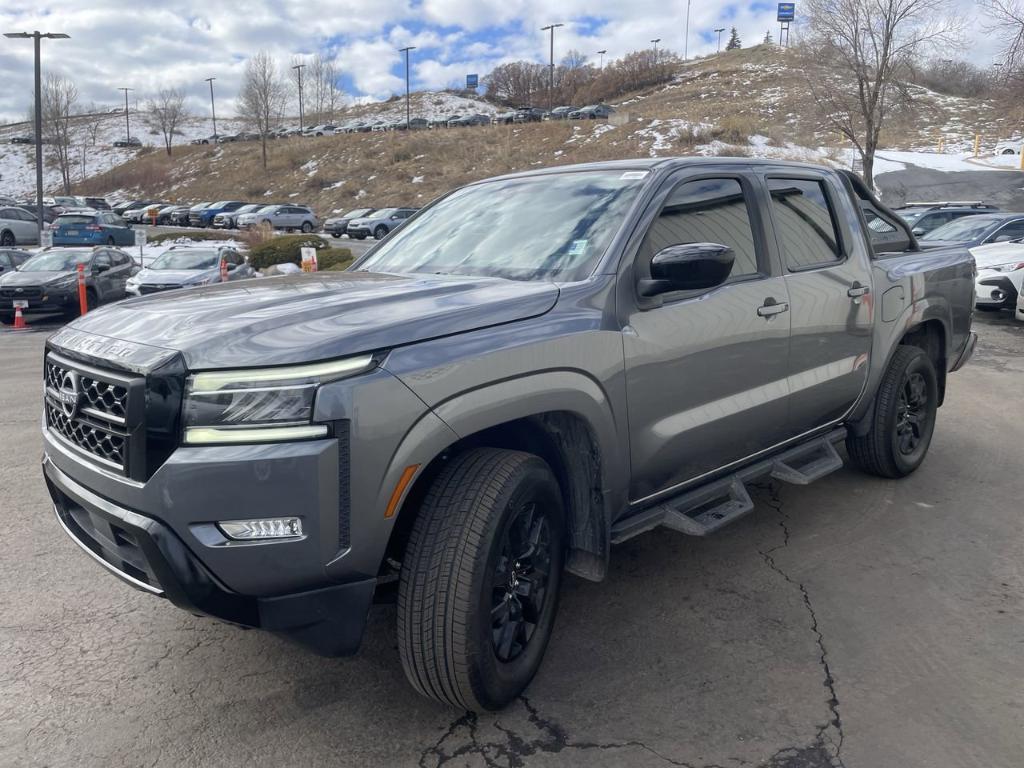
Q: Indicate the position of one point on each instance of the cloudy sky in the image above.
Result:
(179, 43)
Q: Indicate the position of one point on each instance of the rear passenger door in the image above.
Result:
(705, 371)
(829, 282)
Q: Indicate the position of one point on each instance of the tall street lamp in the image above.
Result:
(36, 37)
(686, 40)
(656, 41)
(127, 123)
(408, 111)
(213, 108)
(302, 122)
(602, 53)
(551, 74)
(720, 30)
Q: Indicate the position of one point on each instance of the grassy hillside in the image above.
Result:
(743, 102)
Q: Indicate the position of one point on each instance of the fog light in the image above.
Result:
(265, 528)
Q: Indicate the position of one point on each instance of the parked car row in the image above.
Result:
(364, 222)
(47, 282)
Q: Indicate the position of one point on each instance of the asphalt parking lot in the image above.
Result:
(855, 622)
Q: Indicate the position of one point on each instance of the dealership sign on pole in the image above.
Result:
(472, 81)
(787, 12)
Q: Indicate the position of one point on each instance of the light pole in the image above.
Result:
(602, 53)
(656, 41)
(720, 30)
(127, 123)
(551, 74)
(213, 108)
(36, 37)
(686, 40)
(408, 111)
(302, 122)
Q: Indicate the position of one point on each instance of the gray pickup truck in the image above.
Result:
(536, 367)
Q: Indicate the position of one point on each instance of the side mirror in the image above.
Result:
(918, 231)
(689, 267)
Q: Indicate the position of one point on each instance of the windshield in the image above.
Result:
(548, 227)
(249, 208)
(383, 213)
(197, 259)
(357, 213)
(961, 230)
(56, 261)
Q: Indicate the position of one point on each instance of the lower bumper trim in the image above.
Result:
(966, 352)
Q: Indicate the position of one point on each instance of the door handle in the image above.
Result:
(857, 290)
(770, 308)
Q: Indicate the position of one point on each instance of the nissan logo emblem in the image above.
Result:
(70, 394)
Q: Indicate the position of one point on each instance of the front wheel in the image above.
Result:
(7, 238)
(380, 232)
(904, 419)
(480, 578)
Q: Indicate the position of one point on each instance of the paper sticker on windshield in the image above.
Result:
(633, 175)
(578, 247)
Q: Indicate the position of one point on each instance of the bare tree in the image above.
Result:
(165, 113)
(321, 87)
(858, 55)
(264, 96)
(1006, 20)
(60, 98)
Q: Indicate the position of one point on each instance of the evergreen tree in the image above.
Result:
(768, 38)
(734, 40)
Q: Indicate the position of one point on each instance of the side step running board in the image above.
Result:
(715, 505)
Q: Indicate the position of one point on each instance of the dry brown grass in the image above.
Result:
(729, 98)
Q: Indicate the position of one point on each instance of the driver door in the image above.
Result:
(705, 371)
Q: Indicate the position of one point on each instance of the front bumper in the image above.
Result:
(51, 301)
(996, 292)
(151, 556)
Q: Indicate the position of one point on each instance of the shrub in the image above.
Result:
(334, 259)
(164, 237)
(287, 248)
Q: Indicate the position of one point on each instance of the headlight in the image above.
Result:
(1013, 266)
(260, 405)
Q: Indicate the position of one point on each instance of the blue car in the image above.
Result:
(92, 228)
(204, 217)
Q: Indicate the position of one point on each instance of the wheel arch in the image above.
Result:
(567, 442)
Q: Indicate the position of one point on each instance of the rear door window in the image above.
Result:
(805, 223)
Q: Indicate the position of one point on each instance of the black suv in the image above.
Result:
(924, 217)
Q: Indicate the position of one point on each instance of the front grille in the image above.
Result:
(96, 412)
(146, 289)
(29, 292)
(341, 431)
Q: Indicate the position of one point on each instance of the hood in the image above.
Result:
(998, 253)
(309, 317)
(364, 222)
(10, 279)
(173, 276)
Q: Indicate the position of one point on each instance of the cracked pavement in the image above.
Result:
(855, 622)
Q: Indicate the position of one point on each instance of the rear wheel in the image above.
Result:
(480, 578)
(904, 418)
(307, 227)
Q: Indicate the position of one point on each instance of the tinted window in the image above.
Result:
(5, 262)
(233, 258)
(805, 226)
(705, 211)
(963, 230)
(1011, 231)
(8, 213)
(120, 259)
(102, 259)
(68, 221)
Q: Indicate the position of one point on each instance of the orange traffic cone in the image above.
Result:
(19, 321)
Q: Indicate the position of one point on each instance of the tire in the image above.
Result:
(110, 241)
(904, 419)
(460, 636)
(335, 235)
(306, 227)
(7, 238)
(380, 232)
